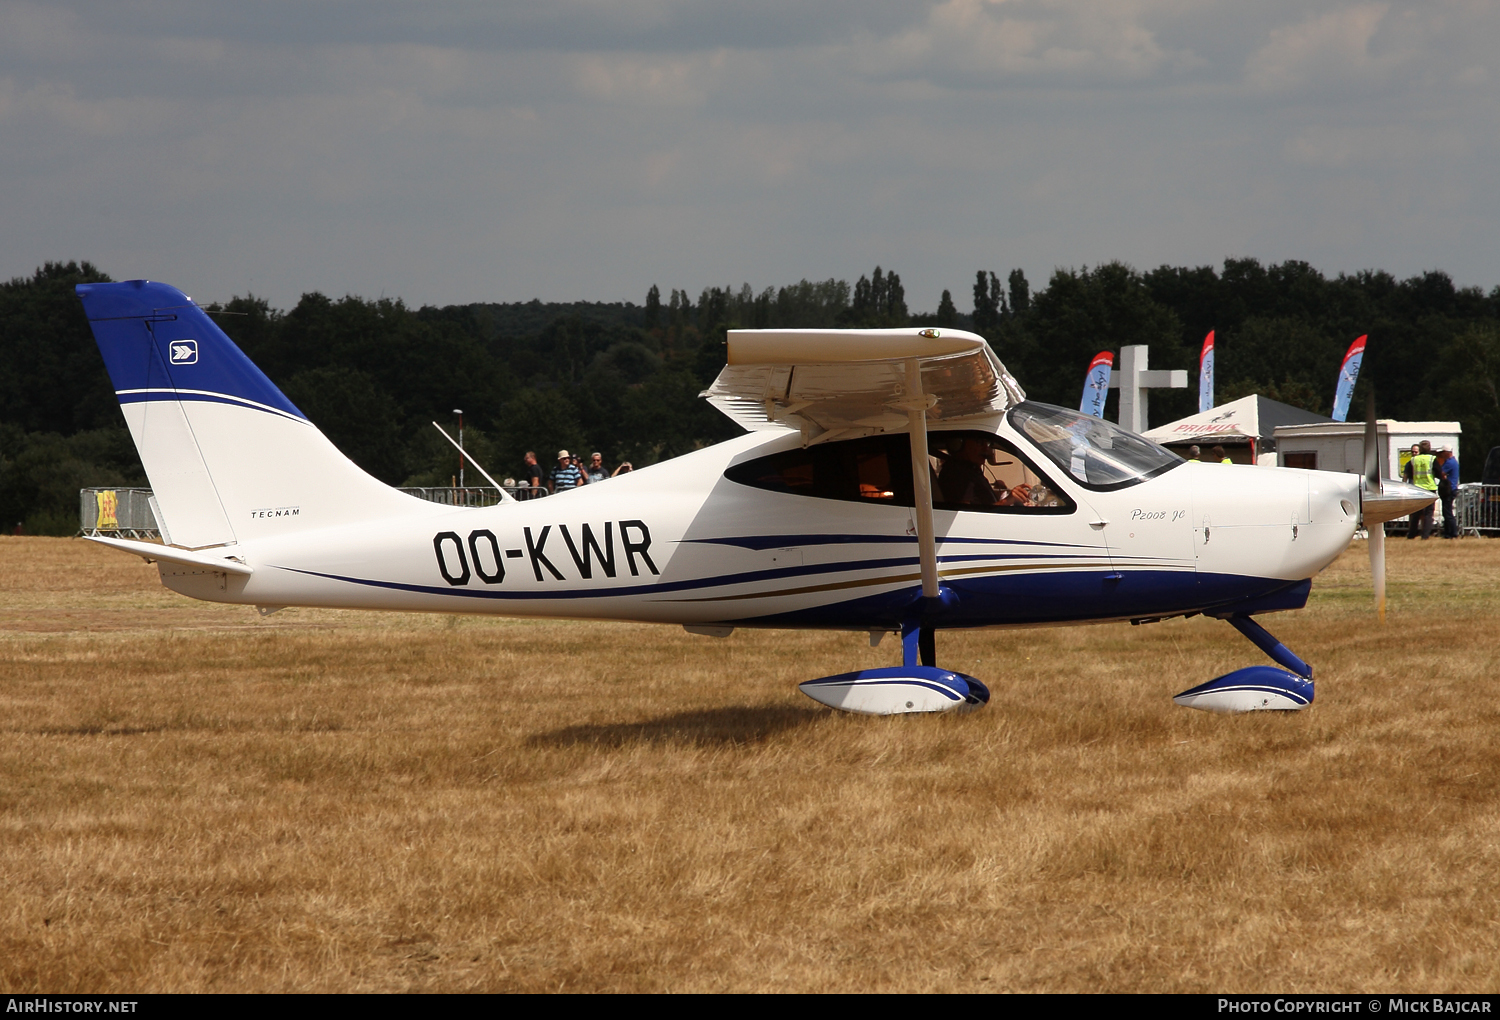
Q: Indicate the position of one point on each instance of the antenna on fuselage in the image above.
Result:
(505, 497)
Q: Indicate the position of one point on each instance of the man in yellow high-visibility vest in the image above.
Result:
(1419, 472)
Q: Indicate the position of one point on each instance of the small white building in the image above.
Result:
(1340, 445)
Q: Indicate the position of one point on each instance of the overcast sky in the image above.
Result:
(585, 149)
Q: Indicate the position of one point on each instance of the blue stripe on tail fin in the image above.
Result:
(158, 345)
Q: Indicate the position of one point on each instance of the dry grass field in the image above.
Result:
(196, 799)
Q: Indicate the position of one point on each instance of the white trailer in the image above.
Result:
(1340, 445)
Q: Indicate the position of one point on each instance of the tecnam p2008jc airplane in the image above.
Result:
(890, 480)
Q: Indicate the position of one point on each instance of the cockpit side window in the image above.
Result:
(969, 471)
(980, 471)
(875, 469)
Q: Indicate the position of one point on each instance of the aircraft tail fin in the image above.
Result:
(229, 457)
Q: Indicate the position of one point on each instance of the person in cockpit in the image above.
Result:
(962, 479)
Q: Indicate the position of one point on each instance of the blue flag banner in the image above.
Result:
(1348, 376)
(1206, 374)
(1096, 384)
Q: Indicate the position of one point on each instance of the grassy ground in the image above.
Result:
(193, 798)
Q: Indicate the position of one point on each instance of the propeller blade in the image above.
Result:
(1370, 494)
(1383, 499)
(1372, 444)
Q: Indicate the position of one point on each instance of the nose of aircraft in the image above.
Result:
(1333, 510)
(1272, 522)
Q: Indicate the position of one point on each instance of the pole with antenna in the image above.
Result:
(460, 413)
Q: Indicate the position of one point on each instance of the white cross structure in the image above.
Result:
(1132, 378)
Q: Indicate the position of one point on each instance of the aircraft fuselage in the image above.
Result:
(681, 543)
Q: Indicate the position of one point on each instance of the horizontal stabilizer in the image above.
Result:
(206, 559)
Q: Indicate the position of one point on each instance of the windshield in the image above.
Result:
(1097, 453)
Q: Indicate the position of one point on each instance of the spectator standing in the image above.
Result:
(1419, 472)
(1218, 454)
(1447, 465)
(624, 469)
(595, 469)
(1195, 454)
(532, 476)
(566, 475)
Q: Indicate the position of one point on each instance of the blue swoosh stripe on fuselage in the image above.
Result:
(762, 542)
(1033, 597)
(664, 586)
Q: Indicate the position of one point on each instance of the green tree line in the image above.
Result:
(623, 378)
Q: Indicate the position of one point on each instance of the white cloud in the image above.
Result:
(658, 81)
(1333, 45)
(996, 40)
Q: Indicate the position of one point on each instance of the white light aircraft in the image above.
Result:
(890, 481)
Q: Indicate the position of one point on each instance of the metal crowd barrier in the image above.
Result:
(472, 495)
(1478, 508)
(128, 513)
(125, 513)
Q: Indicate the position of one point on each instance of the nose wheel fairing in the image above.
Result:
(1252, 689)
(1256, 688)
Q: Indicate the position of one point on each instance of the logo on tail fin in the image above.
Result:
(184, 352)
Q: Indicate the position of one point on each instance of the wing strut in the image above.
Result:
(916, 403)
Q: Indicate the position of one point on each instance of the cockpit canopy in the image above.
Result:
(1095, 453)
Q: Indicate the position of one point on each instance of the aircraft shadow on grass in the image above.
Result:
(737, 724)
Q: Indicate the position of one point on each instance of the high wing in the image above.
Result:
(844, 383)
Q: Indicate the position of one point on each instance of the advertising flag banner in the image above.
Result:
(1096, 384)
(1348, 376)
(1206, 374)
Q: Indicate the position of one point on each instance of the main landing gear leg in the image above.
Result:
(1256, 688)
(918, 642)
(906, 688)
